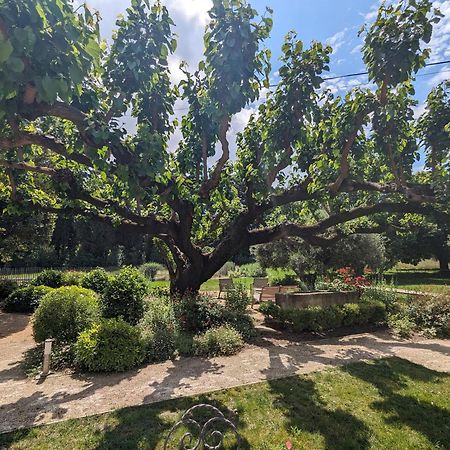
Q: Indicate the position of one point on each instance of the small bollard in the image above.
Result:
(47, 353)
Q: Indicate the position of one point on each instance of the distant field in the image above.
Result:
(211, 285)
(429, 281)
(426, 264)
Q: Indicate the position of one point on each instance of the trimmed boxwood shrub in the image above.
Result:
(50, 277)
(220, 341)
(7, 287)
(158, 329)
(112, 345)
(322, 318)
(351, 314)
(64, 313)
(72, 278)
(26, 299)
(96, 280)
(124, 296)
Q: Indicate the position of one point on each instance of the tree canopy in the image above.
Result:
(63, 91)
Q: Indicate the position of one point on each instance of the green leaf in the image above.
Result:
(50, 87)
(16, 65)
(6, 49)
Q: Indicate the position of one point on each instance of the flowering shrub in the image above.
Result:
(348, 277)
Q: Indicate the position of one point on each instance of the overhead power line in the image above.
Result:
(357, 74)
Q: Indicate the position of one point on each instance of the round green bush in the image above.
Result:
(124, 296)
(221, 341)
(7, 287)
(64, 313)
(26, 299)
(72, 278)
(50, 277)
(111, 345)
(158, 329)
(96, 280)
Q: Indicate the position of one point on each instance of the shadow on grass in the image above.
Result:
(141, 427)
(394, 375)
(306, 412)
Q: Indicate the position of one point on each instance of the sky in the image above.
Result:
(329, 21)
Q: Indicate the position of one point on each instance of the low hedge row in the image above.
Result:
(25, 299)
(323, 318)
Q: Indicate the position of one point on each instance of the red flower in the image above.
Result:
(289, 445)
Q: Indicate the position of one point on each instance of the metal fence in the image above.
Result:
(25, 275)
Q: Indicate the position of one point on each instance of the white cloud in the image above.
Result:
(368, 17)
(343, 85)
(443, 74)
(419, 110)
(440, 39)
(337, 40)
(193, 11)
(356, 49)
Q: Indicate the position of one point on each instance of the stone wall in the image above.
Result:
(304, 299)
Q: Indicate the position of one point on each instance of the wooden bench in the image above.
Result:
(224, 285)
(267, 293)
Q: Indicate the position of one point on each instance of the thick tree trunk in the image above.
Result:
(443, 263)
(185, 282)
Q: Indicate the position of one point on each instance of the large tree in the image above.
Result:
(63, 91)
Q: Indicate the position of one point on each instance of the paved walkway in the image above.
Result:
(24, 402)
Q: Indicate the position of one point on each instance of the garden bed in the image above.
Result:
(300, 300)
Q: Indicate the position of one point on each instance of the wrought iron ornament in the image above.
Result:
(206, 434)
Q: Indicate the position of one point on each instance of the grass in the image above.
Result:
(426, 264)
(211, 285)
(430, 281)
(382, 404)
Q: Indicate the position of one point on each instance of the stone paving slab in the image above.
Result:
(24, 402)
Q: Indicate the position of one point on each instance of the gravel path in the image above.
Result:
(25, 402)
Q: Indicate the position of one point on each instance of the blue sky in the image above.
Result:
(331, 21)
(338, 23)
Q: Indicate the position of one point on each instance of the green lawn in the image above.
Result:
(385, 404)
(211, 285)
(425, 281)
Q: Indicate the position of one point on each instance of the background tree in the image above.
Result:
(355, 251)
(62, 91)
(414, 238)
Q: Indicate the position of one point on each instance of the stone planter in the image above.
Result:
(301, 300)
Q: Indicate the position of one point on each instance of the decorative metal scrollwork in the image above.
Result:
(206, 433)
